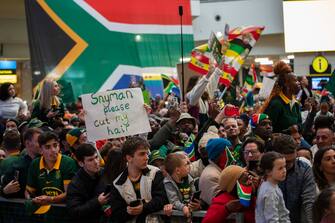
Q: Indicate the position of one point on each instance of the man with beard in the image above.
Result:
(185, 136)
(178, 131)
(261, 128)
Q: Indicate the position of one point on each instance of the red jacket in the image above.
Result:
(218, 213)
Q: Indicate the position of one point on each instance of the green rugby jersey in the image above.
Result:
(51, 183)
(7, 163)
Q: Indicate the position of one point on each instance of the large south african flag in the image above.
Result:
(90, 45)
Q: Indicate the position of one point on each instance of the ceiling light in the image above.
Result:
(138, 38)
(185, 59)
(290, 57)
(261, 59)
(268, 62)
(286, 61)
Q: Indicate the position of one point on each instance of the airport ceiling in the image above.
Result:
(12, 9)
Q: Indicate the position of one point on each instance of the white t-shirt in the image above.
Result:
(11, 108)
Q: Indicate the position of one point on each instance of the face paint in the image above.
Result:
(226, 159)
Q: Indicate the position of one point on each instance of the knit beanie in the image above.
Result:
(229, 177)
(215, 147)
(73, 135)
(160, 153)
(257, 118)
(211, 133)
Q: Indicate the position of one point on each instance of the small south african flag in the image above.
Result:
(244, 193)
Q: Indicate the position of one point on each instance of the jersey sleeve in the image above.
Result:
(69, 170)
(33, 169)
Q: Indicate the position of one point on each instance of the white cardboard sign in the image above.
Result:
(113, 114)
(267, 87)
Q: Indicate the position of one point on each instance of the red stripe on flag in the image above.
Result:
(230, 70)
(255, 31)
(224, 82)
(150, 12)
(200, 57)
(197, 69)
(255, 35)
(227, 70)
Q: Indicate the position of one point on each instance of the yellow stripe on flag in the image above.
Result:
(197, 63)
(232, 55)
(152, 77)
(202, 48)
(227, 76)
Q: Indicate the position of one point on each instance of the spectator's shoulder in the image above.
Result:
(302, 164)
(67, 161)
(276, 101)
(157, 174)
(36, 162)
(302, 168)
(9, 160)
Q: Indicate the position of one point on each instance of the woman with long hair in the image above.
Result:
(11, 107)
(48, 107)
(282, 107)
(324, 167)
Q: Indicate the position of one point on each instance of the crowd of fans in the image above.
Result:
(272, 160)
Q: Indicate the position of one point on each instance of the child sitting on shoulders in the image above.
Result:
(179, 185)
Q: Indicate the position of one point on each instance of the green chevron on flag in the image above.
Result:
(92, 45)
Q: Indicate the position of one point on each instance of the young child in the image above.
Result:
(179, 185)
(323, 208)
(270, 205)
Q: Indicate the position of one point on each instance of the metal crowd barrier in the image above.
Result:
(13, 211)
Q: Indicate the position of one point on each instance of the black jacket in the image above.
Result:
(81, 199)
(119, 205)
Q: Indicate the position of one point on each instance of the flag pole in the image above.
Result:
(182, 52)
(223, 92)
